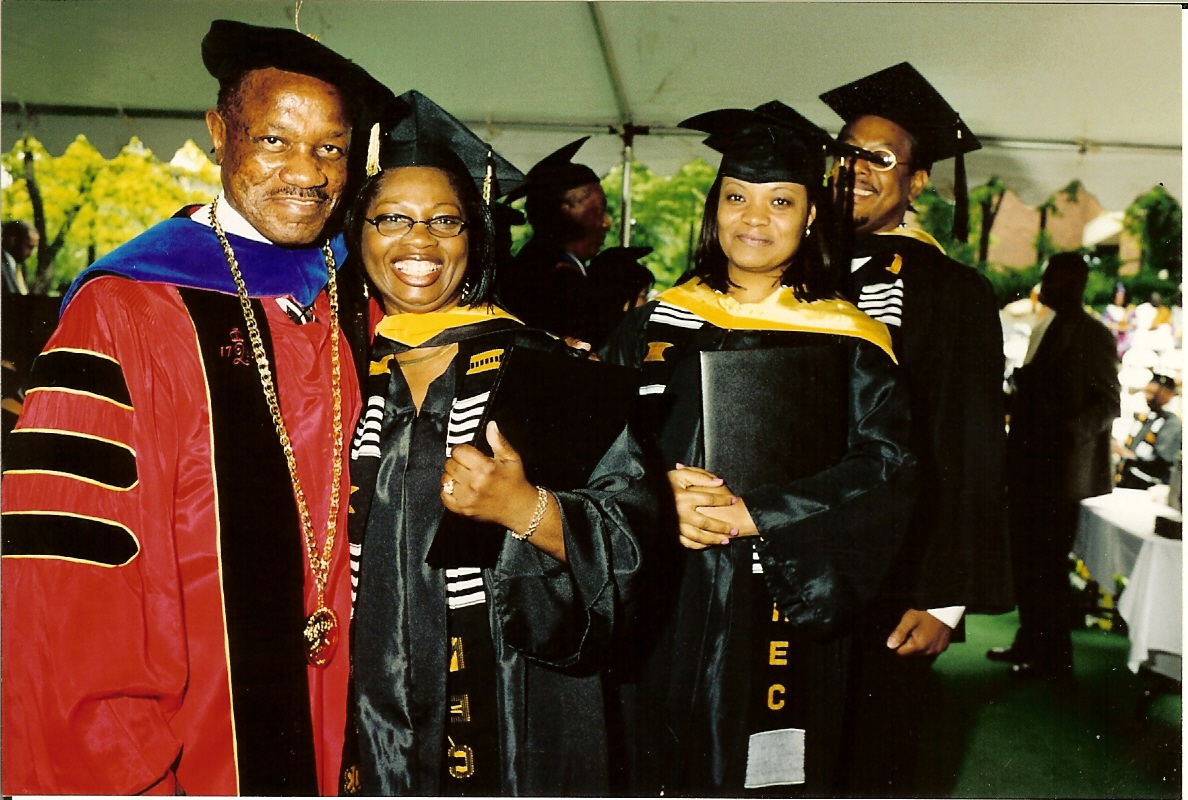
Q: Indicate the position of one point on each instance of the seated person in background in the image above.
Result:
(547, 285)
(468, 679)
(18, 240)
(1154, 441)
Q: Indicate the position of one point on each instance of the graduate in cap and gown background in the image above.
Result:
(621, 283)
(750, 591)
(470, 678)
(548, 284)
(943, 319)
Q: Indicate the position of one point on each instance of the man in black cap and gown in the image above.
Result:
(1063, 403)
(548, 286)
(943, 319)
(175, 578)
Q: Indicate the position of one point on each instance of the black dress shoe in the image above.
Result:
(1009, 655)
(1040, 671)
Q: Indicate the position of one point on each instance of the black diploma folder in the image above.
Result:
(774, 415)
(561, 414)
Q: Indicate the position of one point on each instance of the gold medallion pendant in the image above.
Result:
(321, 627)
(321, 637)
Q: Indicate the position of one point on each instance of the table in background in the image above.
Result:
(1115, 536)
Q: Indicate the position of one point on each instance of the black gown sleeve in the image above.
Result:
(565, 614)
(623, 345)
(827, 540)
(962, 512)
(1102, 393)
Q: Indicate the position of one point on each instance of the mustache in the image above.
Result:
(310, 193)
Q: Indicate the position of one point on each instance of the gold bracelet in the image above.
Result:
(542, 504)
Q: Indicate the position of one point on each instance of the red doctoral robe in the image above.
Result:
(120, 662)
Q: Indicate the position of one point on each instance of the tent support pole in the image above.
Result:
(627, 132)
(625, 223)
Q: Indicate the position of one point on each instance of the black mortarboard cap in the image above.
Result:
(615, 256)
(618, 269)
(902, 95)
(774, 143)
(1166, 381)
(421, 133)
(232, 48)
(507, 215)
(767, 144)
(556, 172)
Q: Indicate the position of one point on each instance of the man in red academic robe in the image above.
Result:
(176, 587)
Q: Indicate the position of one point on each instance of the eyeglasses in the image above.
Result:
(884, 160)
(396, 225)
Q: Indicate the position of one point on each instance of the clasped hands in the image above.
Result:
(708, 512)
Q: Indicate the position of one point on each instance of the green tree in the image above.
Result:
(1043, 240)
(935, 216)
(89, 205)
(666, 211)
(51, 193)
(987, 200)
(1157, 220)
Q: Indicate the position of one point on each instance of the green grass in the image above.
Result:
(1001, 737)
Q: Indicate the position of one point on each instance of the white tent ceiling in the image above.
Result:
(1056, 91)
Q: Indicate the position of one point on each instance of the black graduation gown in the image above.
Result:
(544, 287)
(944, 323)
(826, 542)
(549, 622)
(1058, 452)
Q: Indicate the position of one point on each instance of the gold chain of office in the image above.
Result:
(321, 627)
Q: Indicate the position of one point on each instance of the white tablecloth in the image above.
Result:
(1115, 535)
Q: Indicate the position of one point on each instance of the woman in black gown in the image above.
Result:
(468, 680)
(755, 577)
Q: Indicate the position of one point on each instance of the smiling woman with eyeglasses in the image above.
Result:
(396, 225)
(415, 245)
(471, 676)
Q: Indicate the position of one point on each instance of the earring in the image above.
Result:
(808, 229)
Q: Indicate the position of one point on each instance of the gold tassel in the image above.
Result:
(487, 178)
(373, 147)
(297, 20)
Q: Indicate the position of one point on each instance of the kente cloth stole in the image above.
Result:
(470, 763)
(262, 557)
(778, 712)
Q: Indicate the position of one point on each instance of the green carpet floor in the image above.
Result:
(1001, 737)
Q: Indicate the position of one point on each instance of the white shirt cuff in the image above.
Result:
(949, 615)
